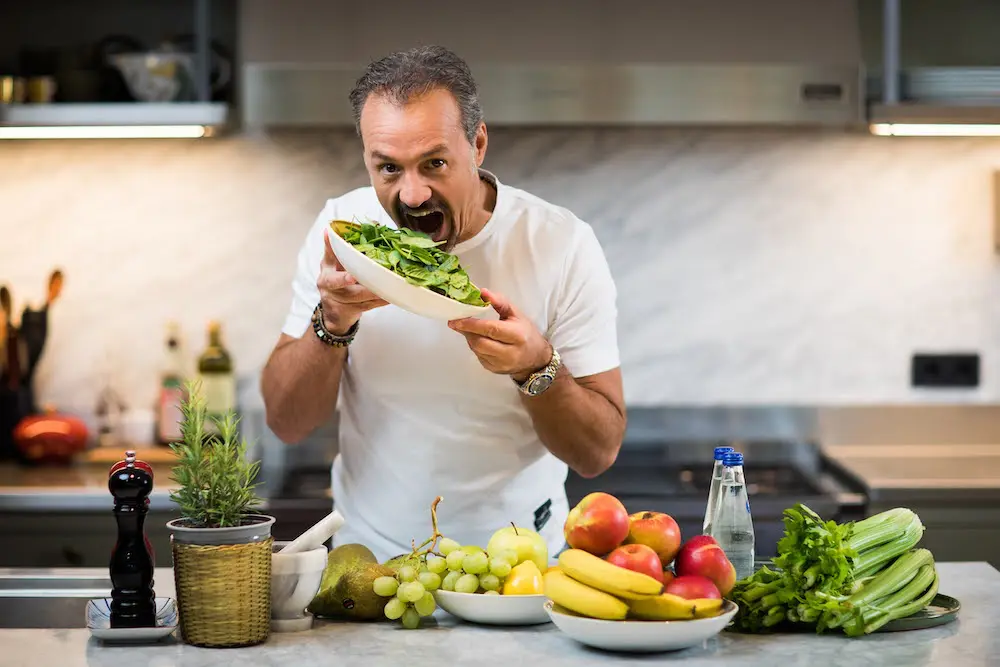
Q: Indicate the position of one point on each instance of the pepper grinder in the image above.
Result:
(133, 602)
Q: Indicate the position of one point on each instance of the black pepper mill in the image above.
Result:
(133, 602)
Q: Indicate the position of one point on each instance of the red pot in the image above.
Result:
(50, 437)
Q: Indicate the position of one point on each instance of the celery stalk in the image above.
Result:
(905, 610)
(892, 578)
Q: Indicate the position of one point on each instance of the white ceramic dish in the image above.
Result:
(640, 636)
(494, 609)
(99, 622)
(394, 289)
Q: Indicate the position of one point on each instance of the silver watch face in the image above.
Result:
(540, 384)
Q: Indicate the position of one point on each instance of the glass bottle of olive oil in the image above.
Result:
(215, 370)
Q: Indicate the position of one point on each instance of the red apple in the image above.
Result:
(638, 558)
(656, 530)
(598, 524)
(699, 540)
(703, 556)
(693, 587)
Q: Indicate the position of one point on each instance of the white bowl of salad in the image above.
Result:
(407, 269)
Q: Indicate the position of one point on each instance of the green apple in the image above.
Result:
(471, 549)
(527, 544)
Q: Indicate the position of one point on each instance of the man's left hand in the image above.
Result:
(511, 346)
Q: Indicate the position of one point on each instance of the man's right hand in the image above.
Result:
(342, 297)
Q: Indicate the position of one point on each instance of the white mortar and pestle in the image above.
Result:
(296, 573)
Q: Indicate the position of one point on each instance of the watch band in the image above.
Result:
(327, 336)
(541, 379)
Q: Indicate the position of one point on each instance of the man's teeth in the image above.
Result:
(420, 214)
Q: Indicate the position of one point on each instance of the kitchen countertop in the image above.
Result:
(83, 487)
(953, 473)
(971, 641)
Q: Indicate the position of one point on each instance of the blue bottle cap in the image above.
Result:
(721, 451)
(732, 459)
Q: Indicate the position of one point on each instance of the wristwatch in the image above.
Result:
(542, 379)
(328, 337)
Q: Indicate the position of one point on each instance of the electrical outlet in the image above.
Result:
(945, 370)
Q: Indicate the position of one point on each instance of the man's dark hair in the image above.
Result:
(403, 75)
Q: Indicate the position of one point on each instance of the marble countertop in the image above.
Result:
(971, 641)
(83, 487)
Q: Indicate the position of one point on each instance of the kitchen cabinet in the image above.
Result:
(957, 33)
(85, 62)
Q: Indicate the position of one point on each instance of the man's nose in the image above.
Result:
(415, 192)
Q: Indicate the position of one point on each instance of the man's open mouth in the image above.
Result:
(429, 222)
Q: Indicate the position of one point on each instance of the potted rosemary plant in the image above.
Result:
(221, 547)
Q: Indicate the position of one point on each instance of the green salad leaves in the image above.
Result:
(414, 256)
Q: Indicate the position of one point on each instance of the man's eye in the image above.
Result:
(437, 163)
(388, 169)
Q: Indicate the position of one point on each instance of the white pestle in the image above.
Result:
(319, 533)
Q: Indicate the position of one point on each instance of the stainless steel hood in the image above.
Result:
(933, 67)
(714, 62)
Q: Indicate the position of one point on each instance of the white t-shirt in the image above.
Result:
(420, 417)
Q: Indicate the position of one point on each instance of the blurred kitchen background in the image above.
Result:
(791, 280)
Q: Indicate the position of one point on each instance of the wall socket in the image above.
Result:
(945, 370)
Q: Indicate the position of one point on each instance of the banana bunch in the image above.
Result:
(590, 586)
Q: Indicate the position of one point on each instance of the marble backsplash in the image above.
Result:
(754, 267)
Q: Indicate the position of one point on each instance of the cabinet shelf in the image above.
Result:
(119, 120)
(209, 114)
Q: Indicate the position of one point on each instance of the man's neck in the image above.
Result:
(488, 202)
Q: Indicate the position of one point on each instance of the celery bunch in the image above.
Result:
(855, 577)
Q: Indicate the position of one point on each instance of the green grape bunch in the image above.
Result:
(444, 565)
(411, 590)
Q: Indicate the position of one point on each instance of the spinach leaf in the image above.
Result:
(415, 257)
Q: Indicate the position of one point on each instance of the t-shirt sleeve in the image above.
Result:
(585, 328)
(305, 294)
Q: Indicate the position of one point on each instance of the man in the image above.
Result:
(487, 413)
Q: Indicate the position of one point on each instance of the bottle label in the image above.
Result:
(220, 393)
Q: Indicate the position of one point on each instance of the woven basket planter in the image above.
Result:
(223, 588)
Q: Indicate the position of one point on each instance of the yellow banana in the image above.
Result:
(667, 607)
(707, 607)
(598, 573)
(583, 599)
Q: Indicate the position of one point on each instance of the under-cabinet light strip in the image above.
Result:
(105, 132)
(934, 130)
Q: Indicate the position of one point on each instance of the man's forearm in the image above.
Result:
(300, 383)
(578, 424)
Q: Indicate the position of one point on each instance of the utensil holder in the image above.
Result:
(223, 592)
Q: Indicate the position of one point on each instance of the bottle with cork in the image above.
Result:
(218, 381)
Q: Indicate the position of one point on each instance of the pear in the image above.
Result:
(354, 595)
(341, 560)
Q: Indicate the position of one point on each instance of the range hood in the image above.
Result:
(891, 67)
(631, 62)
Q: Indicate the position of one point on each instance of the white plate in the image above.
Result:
(99, 622)
(494, 609)
(641, 636)
(394, 288)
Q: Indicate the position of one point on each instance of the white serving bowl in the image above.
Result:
(394, 288)
(494, 609)
(640, 636)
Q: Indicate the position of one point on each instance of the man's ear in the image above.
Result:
(480, 144)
